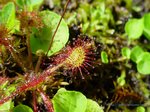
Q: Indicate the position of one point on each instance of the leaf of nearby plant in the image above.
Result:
(22, 108)
(29, 4)
(104, 57)
(135, 53)
(121, 79)
(41, 40)
(69, 101)
(7, 15)
(6, 107)
(140, 109)
(143, 66)
(147, 25)
(134, 28)
(93, 106)
(125, 51)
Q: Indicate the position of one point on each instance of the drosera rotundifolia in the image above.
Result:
(76, 57)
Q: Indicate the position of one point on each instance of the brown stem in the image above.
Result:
(51, 41)
(29, 51)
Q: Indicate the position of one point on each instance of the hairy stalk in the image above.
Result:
(51, 41)
(34, 82)
(46, 100)
(34, 102)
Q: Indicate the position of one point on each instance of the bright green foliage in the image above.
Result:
(147, 25)
(135, 53)
(41, 40)
(140, 109)
(8, 89)
(7, 107)
(69, 101)
(126, 52)
(95, 17)
(29, 5)
(134, 28)
(7, 16)
(142, 59)
(104, 57)
(93, 106)
(73, 101)
(22, 108)
(143, 65)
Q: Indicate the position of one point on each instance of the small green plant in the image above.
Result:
(134, 28)
(140, 57)
(104, 57)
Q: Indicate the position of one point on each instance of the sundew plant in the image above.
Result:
(74, 56)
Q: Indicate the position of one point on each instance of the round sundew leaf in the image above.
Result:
(41, 39)
(135, 53)
(22, 108)
(69, 101)
(93, 106)
(104, 57)
(143, 66)
(134, 28)
(147, 25)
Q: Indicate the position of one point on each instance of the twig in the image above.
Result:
(50, 45)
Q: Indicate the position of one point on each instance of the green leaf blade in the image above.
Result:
(92, 106)
(7, 106)
(135, 53)
(7, 15)
(69, 101)
(43, 38)
(104, 57)
(143, 66)
(125, 51)
(147, 25)
(134, 28)
(22, 108)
